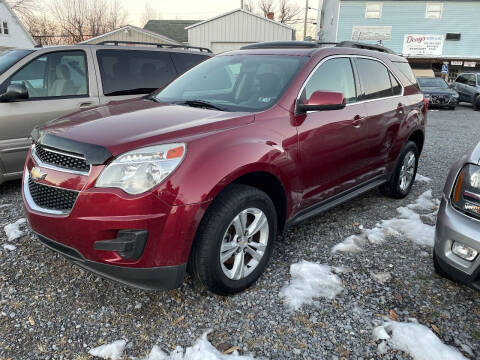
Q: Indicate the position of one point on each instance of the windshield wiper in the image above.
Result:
(137, 91)
(201, 103)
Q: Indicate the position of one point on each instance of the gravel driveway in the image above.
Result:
(52, 310)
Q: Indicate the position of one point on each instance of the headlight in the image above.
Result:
(455, 95)
(140, 170)
(466, 193)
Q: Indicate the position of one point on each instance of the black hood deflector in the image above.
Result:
(94, 154)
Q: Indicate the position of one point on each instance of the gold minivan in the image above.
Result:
(41, 84)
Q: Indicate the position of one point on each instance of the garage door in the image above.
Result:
(219, 47)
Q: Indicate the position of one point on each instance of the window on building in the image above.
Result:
(4, 28)
(373, 10)
(434, 10)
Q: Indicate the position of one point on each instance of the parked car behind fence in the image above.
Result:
(45, 83)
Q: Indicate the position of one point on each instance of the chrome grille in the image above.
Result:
(62, 160)
(49, 197)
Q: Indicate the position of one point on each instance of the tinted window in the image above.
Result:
(471, 81)
(375, 79)
(184, 62)
(461, 79)
(134, 71)
(57, 74)
(11, 57)
(333, 75)
(235, 83)
(406, 70)
(396, 87)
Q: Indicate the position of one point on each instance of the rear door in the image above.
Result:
(459, 85)
(470, 87)
(385, 107)
(332, 143)
(58, 84)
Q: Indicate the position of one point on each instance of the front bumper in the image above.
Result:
(442, 101)
(455, 226)
(98, 218)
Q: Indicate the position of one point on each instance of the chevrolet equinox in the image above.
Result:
(205, 172)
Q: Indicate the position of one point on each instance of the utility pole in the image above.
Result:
(241, 4)
(305, 22)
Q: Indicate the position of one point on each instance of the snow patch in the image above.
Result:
(201, 350)
(112, 351)
(421, 178)
(310, 280)
(13, 231)
(415, 339)
(408, 224)
(9, 247)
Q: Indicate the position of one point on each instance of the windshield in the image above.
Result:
(9, 58)
(234, 83)
(432, 82)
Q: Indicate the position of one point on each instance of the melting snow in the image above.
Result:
(9, 247)
(421, 178)
(111, 351)
(415, 339)
(201, 350)
(13, 230)
(408, 224)
(309, 281)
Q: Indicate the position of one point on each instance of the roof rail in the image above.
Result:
(166, 46)
(280, 44)
(361, 45)
(293, 44)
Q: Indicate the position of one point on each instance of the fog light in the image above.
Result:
(464, 251)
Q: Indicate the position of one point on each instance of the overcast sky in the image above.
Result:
(182, 9)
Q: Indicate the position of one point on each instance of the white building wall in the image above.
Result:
(234, 30)
(17, 36)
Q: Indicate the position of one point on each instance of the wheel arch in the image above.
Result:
(418, 137)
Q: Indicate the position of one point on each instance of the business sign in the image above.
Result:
(469, 64)
(456, 62)
(414, 44)
(444, 68)
(371, 33)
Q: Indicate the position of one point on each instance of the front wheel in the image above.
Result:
(234, 241)
(476, 103)
(403, 176)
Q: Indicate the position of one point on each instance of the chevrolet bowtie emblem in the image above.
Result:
(37, 174)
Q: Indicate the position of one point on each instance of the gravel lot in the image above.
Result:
(52, 310)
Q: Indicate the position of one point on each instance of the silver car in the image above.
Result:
(42, 84)
(457, 235)
(468, 87)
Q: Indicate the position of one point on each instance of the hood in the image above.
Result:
(437, 90)
(124, 125)
(474, 157)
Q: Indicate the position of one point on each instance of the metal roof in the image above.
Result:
(174, 29)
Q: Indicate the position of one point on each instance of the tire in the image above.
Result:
(476, 103)
(218, 231)
(394, 187)
(451, 108)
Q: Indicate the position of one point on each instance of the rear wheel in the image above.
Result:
(403, 176)
(451, 107)
(476, 102)
(234, 241)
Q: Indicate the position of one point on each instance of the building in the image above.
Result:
(235, 29)
(131, 33)
(12, 32)
(433, 35)
(173, 29)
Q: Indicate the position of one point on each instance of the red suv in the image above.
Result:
(204, 173)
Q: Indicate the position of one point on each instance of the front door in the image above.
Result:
(331, 143)
(57, 84)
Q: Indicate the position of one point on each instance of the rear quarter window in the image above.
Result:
(406, 70)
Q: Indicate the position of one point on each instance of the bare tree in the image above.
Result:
(287, 12)
(149, 13)
(266, 7)
(79, 20)
(249, 6)
(22, 8)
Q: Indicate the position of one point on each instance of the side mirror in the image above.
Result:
(15, 92)
(322, 100)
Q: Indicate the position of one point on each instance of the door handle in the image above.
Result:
(357, 121)
(85, 104)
